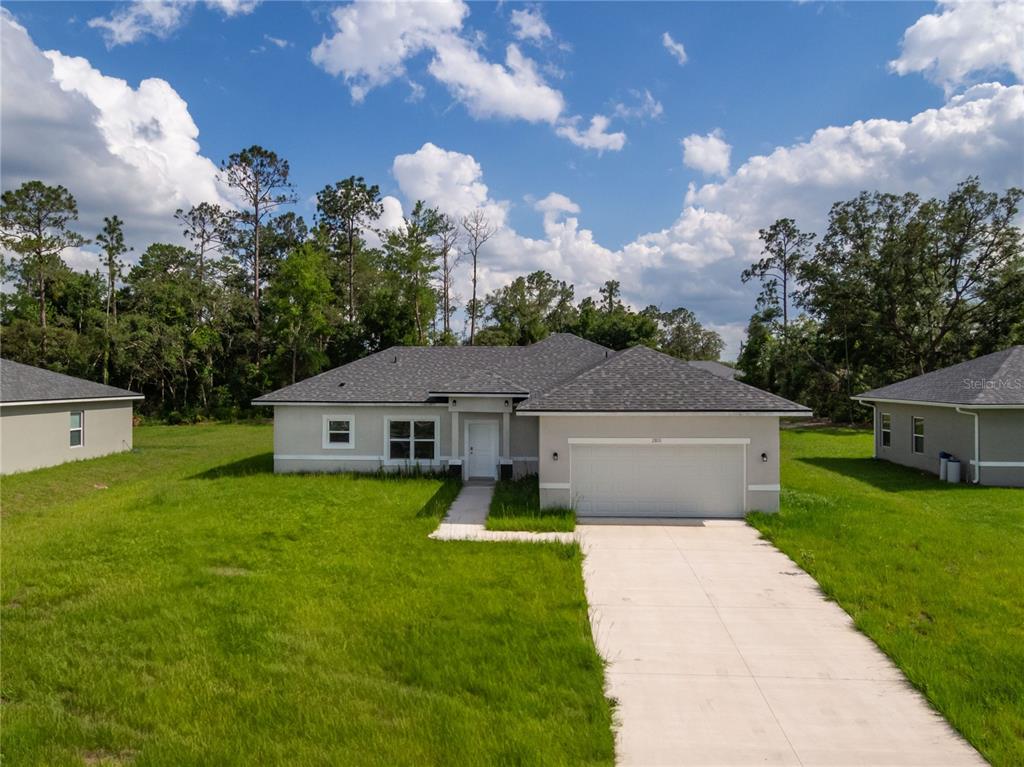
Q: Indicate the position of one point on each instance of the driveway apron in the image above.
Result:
(721, 651)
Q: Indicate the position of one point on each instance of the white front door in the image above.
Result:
(482, 449)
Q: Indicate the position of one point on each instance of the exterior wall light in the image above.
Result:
(764, 457)
(554, 456)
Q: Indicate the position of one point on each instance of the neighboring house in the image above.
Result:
(974, 410)
(718, 368)
(48, 418)
(610, 433)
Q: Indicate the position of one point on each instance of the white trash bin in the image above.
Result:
(943, 468)
(953, 471)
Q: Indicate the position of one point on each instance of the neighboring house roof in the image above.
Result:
(724, 371)
(643, 380)
(411, 373)
(21, 384)
(995, 380)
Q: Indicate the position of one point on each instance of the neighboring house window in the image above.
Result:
(77, 433)
(918, 434)
(886, 430)
(412, 439)
(338, 432)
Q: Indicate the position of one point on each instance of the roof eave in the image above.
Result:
(868, 399)
(73, 400)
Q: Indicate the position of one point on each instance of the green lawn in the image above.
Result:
(181, 605)
(933, 573)
(516, 506)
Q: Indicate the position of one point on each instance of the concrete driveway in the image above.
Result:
(721, 651)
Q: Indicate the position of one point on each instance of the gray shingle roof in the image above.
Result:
(410, 373)
(717, 368)
(995, 379)
(644, 380)
(482, 382)
(24, 383)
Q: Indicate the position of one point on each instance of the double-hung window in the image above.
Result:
(338, 433)
(886, 430)
(412, 439)
(918, 434)
(77, 429)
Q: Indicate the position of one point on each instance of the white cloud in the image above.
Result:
(451, 181)
(529, 24)
(487, 89)
(595, 137)
(233, 7)
(130, 23)
(677, 50)
(963, 41)
(709, 154)
(554, 204)
(373, 40)
(135, 20)
(646, 107)
(697, 259)
(120, 150)
(278, 41)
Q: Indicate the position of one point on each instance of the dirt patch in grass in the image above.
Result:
(230, 572)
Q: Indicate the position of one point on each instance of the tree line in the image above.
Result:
(895, 287)
(259, 298)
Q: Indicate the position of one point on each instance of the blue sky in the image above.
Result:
(758, 84)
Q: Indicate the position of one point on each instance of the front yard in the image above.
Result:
(932, 572)
(183, 606)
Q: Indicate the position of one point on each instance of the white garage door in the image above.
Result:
(658, 480)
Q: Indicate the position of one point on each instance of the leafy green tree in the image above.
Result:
(111, 240)
(345, 212)
(525, 311)
(683, 336)
(34, 225)
(299, 304)
(260, 178)
(411, 257)
(447, 245)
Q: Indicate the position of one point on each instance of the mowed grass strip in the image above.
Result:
(516, 506)
(933, 573)
(184, 606)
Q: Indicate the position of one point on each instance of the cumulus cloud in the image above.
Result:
(963, 41)
(709, 154)
(373, 41)
(645, 107)
(515, 90)
(529, 24)
(696, 260)
(157, 18)
(120, 150)
(595, 137)
(677, 51)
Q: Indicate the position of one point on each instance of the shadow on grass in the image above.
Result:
(244, 467)
(883, 475)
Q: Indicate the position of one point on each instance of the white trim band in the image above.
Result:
(869, 400)
(72, 401)
(766, 488)
(555, 486)
(659, 440)
(999, 464)
(380, 458)
(634, 413)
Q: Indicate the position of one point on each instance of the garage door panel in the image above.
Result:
(658, 480)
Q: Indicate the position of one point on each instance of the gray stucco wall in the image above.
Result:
(763, 432)
(1001, 439)
(34, 436)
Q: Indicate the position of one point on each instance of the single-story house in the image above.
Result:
(48, 418)
(973, 411)
(610, 433)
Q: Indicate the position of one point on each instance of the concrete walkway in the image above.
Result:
(722, 651)
(467, 517)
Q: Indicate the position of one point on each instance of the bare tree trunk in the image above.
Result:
(351, 275)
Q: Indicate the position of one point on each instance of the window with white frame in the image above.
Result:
(338, 432)
(77, 428)
(918, 434)
(412, 439)
(886, 430)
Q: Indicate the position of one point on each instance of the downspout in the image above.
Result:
(875, 428)
(976, 479)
